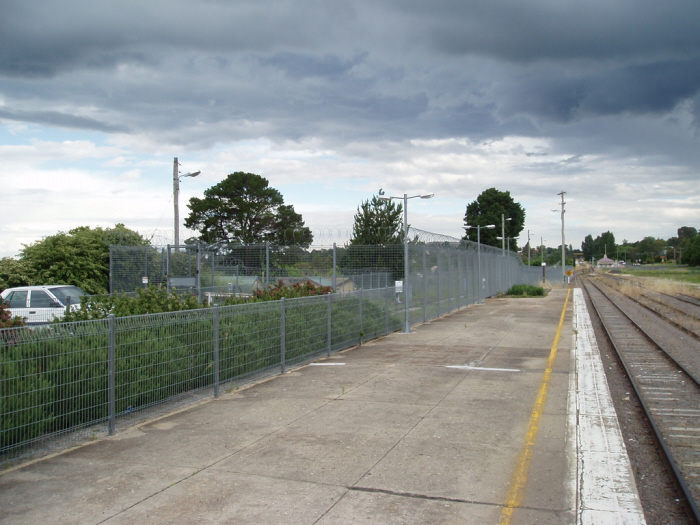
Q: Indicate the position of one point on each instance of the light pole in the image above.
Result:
(176, 197)
(503, 233)
(528, 247)
(563, 242)
(478, 249)
(406, 265)
(544, 264)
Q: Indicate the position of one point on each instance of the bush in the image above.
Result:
(526, 290)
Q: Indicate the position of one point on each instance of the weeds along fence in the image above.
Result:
(75, 380)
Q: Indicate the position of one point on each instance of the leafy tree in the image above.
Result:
(79, 257)
(489, 208)
(377, 242)
(290, 229)
(588, 248)
(687, 233)
(604, 244)
(15, 272)
(378, 222)
(244, 209)
(692, 253)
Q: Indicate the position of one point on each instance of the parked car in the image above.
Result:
(42, 304)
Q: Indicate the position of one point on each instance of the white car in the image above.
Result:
(42, 304)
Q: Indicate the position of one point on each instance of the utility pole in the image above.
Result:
(563, 241)
(176, 196)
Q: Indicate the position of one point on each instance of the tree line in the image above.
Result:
(684, 248)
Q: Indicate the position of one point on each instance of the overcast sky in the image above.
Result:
(333, 100)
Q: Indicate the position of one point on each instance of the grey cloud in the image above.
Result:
(298, 65)
(55, 118)
(393, 69)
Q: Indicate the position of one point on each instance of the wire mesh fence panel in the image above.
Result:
(136, 267)
(249, 339)
(306, 328)
(53, 380)
(161, 356)
(346, 325)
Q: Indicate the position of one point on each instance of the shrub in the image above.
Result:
(525, 290)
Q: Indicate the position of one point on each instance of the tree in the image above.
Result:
(377, 241)
(79, 257)
(489, 208)
(692, 254)
(244, 209)
(604, 244)
(588, 248)
(378, 222)
(15, 272)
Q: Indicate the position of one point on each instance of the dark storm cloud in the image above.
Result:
(392, 69)
(563, 96)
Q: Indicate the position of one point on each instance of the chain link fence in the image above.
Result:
(75, 380)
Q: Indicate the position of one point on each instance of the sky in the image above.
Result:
(332, 101)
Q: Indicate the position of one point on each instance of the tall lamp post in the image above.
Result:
(528, 247)
(176, 197)
(544, 264)
(478, 249)
(406, 265)
(563, 241)
(503, 233)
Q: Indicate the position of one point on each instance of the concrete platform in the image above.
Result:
(472, 419)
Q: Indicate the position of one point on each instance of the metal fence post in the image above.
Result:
(360, 313)
(111, 268)
(216, 351)
(387, 292)
(112, 371)
(425, 286)
(335, 269)
(283, 337)
(439, 278)
(267, 264)
(198, 274)
(449, 281)
(329, 328)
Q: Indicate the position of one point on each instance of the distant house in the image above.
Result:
(606, 262)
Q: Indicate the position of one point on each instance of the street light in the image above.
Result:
(503, 233)
(563, 241)
(407, 325)
(478, 249)
(544, 264)
(528, 247)
(176, 197)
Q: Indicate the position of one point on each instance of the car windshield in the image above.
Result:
(68, 294)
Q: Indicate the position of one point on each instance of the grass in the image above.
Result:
(637, 283)
(671, 273)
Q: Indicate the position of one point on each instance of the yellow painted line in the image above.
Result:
(518, 482)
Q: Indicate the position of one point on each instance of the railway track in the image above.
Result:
(663, 365)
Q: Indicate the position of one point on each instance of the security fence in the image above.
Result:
(72, 380)
(244, 269)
